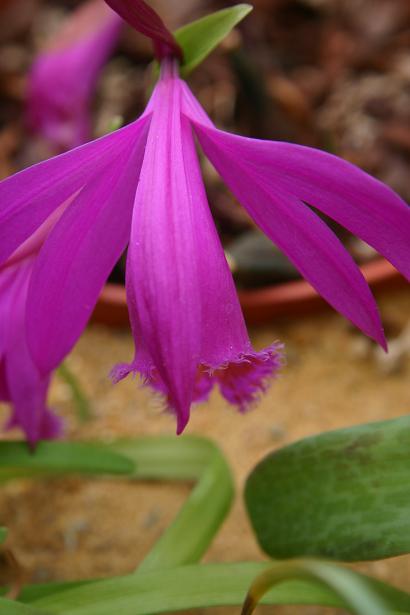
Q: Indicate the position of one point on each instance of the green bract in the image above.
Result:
(199, 38)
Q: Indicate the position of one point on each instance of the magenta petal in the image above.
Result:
(296, 230)
(28, 198)
(32, 245)
(243, 381)
(145, 20)
(4, 390)
(49, 426)
(183, 306)
(79, 254)
(365, 206)
(26, 388)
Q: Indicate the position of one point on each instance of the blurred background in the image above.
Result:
(333, 74)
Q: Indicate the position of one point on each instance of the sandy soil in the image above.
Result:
(71, 528)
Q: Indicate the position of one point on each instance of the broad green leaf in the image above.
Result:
(3, 534)
(200, 37)
(197, 586)
(342, 495)
(16, 459)
(358, 595)
(11, 607)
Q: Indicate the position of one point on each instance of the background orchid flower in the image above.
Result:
(64, 75)
(141, 186)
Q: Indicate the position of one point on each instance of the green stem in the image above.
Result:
(79, 398)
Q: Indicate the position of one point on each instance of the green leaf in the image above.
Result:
(200, 37)
(197, 586)
(11, 607)
(185, 458)
(16, 460)
(357, 594)
(3, 534)
(31, 593)
(79, 398)
(342, 495)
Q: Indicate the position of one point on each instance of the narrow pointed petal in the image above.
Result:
(296, 230)
(58, 101)
(26, 388)
(139, 15)
(185, 314)
(365, 206)
(48, 427)
(29, 197)
(4, 391)
(79, 254)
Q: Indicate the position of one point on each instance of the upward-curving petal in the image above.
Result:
(79, 254)
(364, 205)
(29, 197)
(306, 240)
(297, 231)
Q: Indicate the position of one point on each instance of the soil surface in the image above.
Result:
(71, 528)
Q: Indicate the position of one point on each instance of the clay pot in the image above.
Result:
(259, 306)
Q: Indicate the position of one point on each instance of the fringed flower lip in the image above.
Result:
(141, 186)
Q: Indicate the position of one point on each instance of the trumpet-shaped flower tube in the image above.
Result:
(64, 75)
(141, 186)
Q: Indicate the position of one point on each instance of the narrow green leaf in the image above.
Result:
(197, 586)
(200, 37)
(3, 534)
(185, 458)
(11, 607)
(342, 495)
(16, 459)
(31, 593)
(357, 594)
(79, 398)
(166, 457)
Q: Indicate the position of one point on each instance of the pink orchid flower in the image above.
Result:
(141, 186)
(64, 75)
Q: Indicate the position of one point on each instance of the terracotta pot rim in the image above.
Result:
(258, 305)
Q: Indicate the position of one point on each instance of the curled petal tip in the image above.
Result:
(140, 16)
